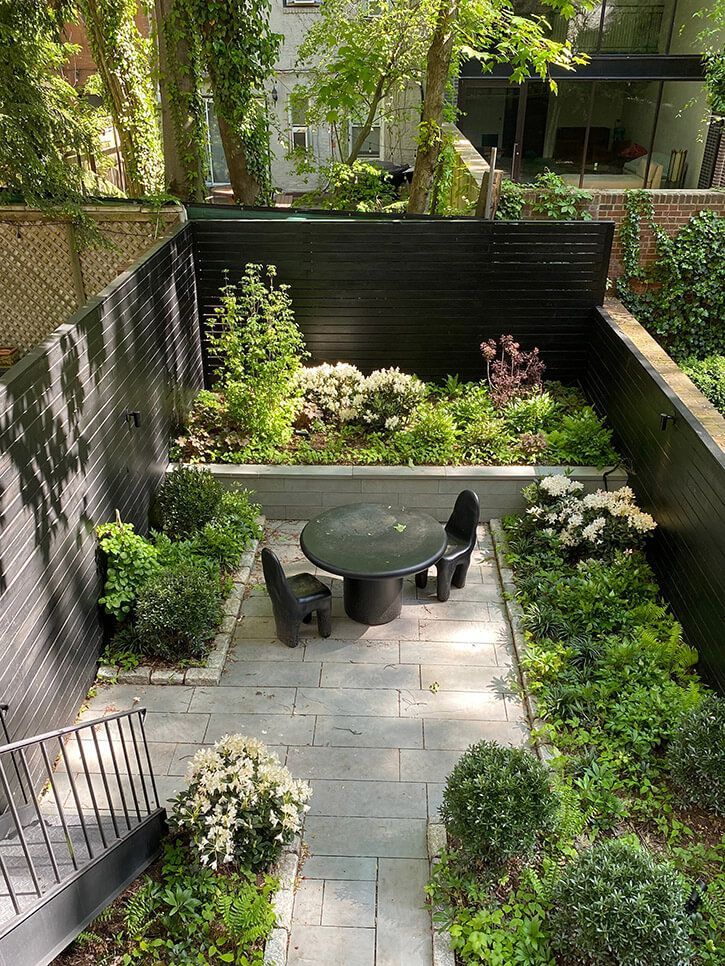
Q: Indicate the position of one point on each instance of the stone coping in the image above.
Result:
(484, 473)
(283, 900)
(208, 674)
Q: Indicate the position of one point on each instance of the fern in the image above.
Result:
(248, 915)
(141, 909)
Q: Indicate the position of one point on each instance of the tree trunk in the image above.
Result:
(182, 120)
(368, 125)
(438, 68)
(117, 53)
(245, 186)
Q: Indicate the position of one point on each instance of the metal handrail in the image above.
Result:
(120, 792)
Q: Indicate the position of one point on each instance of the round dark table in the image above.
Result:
(373, 547)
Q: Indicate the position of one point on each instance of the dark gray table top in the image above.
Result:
(369, 541)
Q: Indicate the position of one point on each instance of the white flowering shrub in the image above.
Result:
(334, 390)
(591, 525)
(241, 805)
(388, 398)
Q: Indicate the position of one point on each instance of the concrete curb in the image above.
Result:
(513, 610)
(209, 674)
(437, 841)
(285, 868)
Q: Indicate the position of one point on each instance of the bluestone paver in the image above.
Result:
(375, 718)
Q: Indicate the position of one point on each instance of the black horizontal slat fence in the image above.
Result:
(677, 472)
(420, 294)
(70, 459)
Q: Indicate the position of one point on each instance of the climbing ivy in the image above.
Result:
(123, 59)
(637, 205)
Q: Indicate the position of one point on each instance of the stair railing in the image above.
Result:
(96, 777)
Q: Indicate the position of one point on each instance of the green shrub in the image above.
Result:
(130, 561)
(360, 186)
(177, 613)
(616, 905)
(708, 374)
(498, 802)
(186, 501)
(260, 349)
(431, 438)
(238, 511)
(582, 439)
(485, 441)
(471, 405)
(696, 755)
(530, 414)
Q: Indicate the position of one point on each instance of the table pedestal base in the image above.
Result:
(373, 601)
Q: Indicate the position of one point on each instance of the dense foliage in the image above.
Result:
(708, 374)
(164, 593)
(267, 408)
(359, 186)
(497, 802)
(182, 913)
(633, 870)
(616, 904)
(684, 306)
(548, 196)
(696, 755)
(240, 805)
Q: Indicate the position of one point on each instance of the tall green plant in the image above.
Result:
(260, 348)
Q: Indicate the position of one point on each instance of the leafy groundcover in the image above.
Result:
(631, 870)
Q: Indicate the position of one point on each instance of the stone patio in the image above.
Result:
(374, 718)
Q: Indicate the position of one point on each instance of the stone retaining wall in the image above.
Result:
(302, 492)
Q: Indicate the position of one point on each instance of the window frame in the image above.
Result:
(381, 140)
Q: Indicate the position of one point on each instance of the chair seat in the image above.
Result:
(306, 588)
(455, 548)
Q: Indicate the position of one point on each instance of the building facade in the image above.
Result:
(634, 116)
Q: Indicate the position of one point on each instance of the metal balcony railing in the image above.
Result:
(97, 787)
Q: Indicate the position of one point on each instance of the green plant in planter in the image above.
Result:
(187, 500)
(498, 802)
(581, 440)
(708, 374)
(696, 755)
(177, 613)
(130, 561)
(260, 347)
(616, 904)
(431, 438)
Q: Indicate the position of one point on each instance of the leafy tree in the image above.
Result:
(358, 59)
(123, 59)
(490, 31)
(44, 125)
(238, 51)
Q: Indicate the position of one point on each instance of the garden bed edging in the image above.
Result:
(208, 674)
(303, 492)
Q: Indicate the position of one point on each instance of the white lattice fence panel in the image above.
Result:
(36, 283)
(128, 240)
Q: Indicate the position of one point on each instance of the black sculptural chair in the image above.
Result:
(461, 532)
(295, 599)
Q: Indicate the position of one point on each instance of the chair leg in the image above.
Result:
(445, 575)
(307, 619)
(459, 576)
(288, 631)
(324, 618)
(421, 579)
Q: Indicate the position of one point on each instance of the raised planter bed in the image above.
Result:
(208, 674)
(301, 492)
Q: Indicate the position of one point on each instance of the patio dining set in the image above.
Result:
(373, 548)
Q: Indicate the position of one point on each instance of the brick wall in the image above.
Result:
(672, 210)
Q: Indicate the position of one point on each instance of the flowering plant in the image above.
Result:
(333, 390)
(595, 524)
(511, 373)
(241, 805)
(388, 398)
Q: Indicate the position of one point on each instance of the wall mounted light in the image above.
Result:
(275, 94)
(665, 420)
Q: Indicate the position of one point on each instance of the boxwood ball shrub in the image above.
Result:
(498, 802)
(177, 612)
(186, 501)
(241, 805)
(615, 904)
(696, 756)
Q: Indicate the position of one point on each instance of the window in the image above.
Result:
(299, 129)
(372, 145)
(218, 171)
(301, 3)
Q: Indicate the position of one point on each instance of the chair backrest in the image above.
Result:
(278, 587)
(463, 522)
